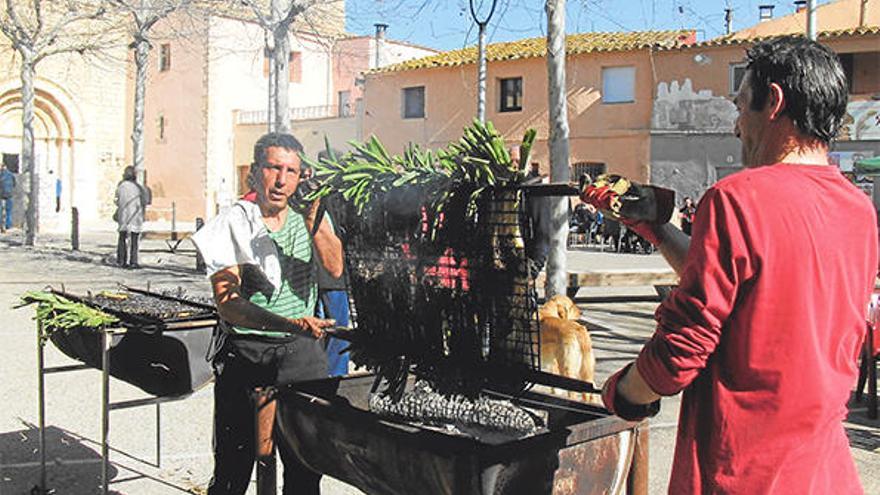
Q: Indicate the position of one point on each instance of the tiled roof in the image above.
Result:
(839, 33)
(537, 47)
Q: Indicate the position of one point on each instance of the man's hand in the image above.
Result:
(604, 193)
(311, 214)
(616, 402)
(312, 325)
(643, 209)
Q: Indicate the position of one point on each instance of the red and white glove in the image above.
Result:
(604, 193)
(618, 405)
(644, 209)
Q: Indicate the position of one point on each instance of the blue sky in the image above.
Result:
(447, 24)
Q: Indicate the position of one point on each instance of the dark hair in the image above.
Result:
(811, 79)
(128, 173)
(261, 147)
(275, 140)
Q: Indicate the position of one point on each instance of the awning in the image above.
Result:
(867, 166)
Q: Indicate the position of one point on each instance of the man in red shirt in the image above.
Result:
(764, 331)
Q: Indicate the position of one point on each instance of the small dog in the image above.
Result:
(566, 347)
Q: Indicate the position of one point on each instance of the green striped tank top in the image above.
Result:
(298, 292)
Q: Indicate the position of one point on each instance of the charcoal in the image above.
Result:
(137, 304)
(424, 405)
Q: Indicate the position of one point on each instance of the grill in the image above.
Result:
(162, 347)
(459, 310)
(582, 450)
(456, 305)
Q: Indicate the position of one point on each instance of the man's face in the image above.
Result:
(280, 176)
(750, 124)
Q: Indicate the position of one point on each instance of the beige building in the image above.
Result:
(79, 114)
(340, 120)
(206, 105)
(610, 81)
(650, 105)
(692, 142)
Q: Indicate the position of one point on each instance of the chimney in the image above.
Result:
(765, 12)
(380, 43)
(728, 20)
(800, 5)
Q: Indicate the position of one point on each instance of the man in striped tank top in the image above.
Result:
(262, 260)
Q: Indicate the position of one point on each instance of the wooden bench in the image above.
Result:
(622, 277)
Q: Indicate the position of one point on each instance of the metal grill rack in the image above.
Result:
(455, 308)
(157, 327)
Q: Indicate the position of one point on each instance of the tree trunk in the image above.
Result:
(32, 214)
(282, 77)
(481, 76)
(270, 94)
(141, 58)
(559, 169)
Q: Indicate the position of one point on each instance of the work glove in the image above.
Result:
(618, 405)
(641, 208)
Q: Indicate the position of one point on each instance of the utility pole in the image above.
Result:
(481, 59)
(557, 282)
(728, 20)
(811, 19)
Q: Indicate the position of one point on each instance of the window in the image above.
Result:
(164, 57)
(847, 62)
(593, 169)
(414, 102)
(735, 75)
(862, 72)
(294, 59)
(511, 95)
(343, 102)
(618, 84)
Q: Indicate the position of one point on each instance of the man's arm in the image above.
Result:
(238, 311)
(673, 246)
(327, 244)
(633, 387)
(691, 321)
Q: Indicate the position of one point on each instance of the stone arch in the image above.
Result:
(58, 126)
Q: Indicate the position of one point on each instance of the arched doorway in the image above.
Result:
(56, 124)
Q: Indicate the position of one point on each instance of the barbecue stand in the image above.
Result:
(457, 307)
(583, 449)
(95, 348)
(451, 297)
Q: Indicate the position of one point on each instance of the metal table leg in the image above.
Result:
(42, 404)
(637, 482)
(158, 434)
(105, 408)
(872, 372)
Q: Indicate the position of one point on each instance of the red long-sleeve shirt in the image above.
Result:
(764, 331)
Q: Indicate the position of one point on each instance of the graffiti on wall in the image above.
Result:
(679, 108)
(862, 121)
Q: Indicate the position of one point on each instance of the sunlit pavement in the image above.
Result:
(73, 398)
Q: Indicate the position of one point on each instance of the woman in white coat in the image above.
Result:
(129, 216)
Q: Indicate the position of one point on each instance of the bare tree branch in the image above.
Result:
(144, 14)
(37, 31)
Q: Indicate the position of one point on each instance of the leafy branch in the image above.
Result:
(59, 313)
(368, 174)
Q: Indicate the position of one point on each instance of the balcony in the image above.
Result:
(255, 117)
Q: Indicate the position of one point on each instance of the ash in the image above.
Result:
(480, 417)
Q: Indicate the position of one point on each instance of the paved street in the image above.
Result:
(73, 398)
